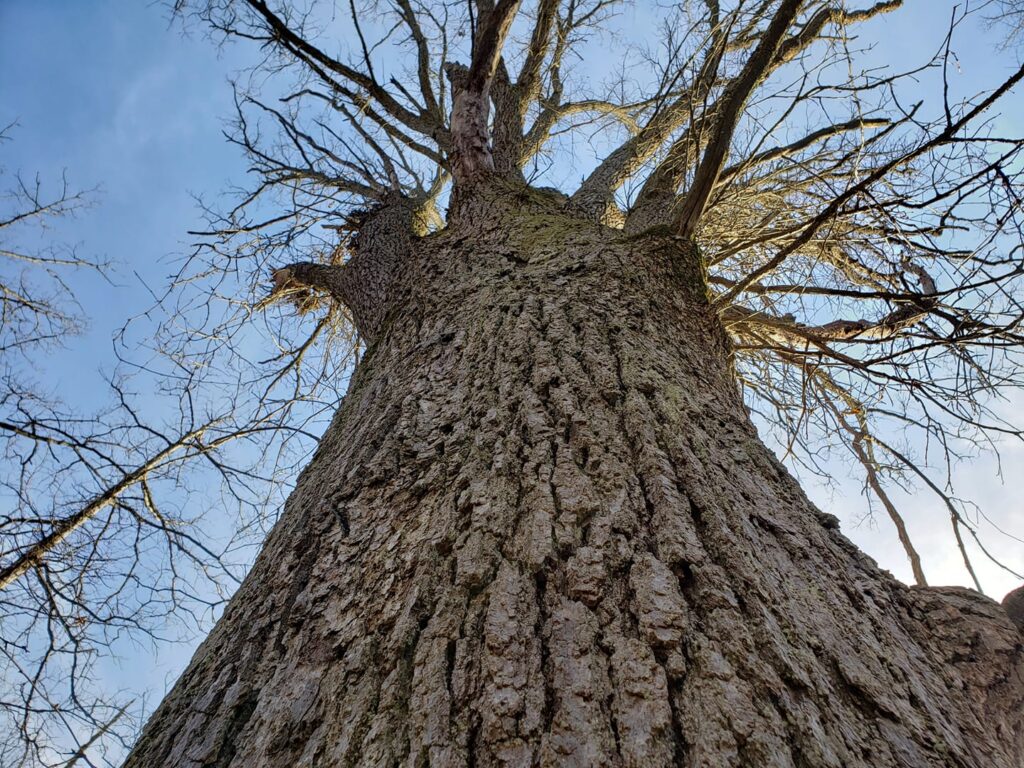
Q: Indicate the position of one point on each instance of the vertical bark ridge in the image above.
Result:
(542, 531)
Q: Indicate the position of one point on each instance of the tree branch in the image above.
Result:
(735, 97)
(787, 329)
(471, 157)
(423, 123)
(946, 136)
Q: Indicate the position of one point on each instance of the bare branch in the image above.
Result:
(735, 97)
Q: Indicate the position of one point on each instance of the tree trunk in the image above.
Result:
(542, 530)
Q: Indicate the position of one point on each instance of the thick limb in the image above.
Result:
(472, 158)
(378, 252)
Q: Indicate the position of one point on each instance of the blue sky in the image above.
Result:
(111, 92)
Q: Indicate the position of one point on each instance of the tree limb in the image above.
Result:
(471, 157)
(739, 90)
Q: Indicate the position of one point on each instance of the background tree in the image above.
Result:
(98, 525)
(1007, 15)
(541, 527)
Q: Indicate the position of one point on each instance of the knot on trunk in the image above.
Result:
(364, 266)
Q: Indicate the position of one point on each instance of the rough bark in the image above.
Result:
(542, 531)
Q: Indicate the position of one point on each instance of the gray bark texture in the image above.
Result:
(542, 531)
